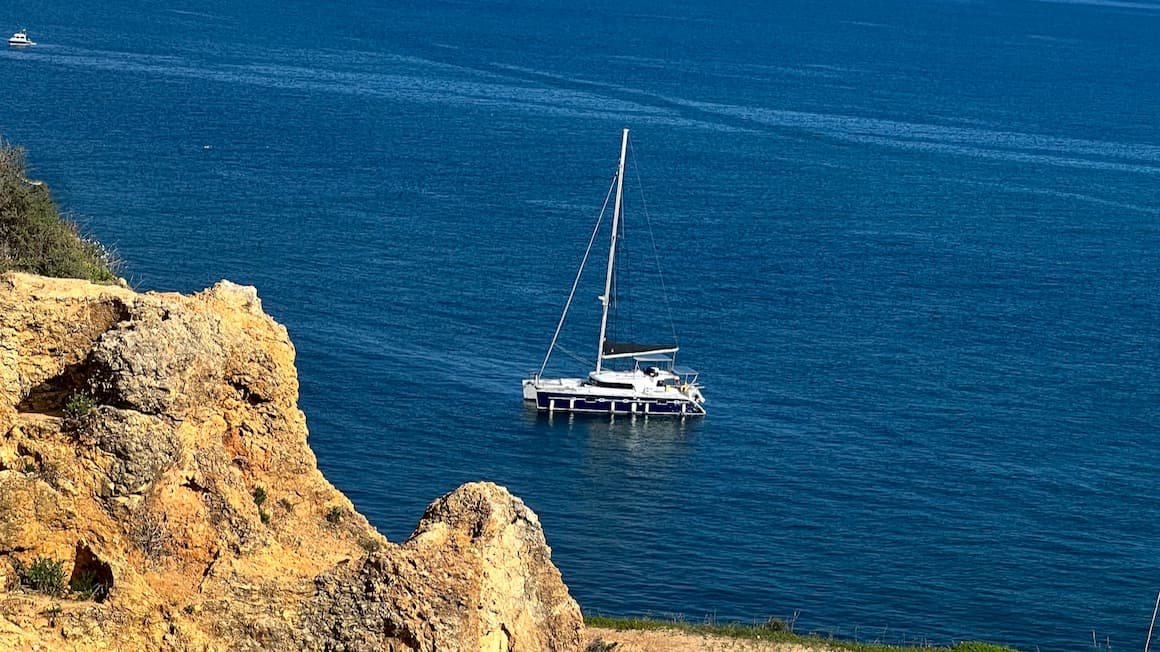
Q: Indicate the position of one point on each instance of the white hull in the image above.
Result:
(575, 395)
(19, 40)
(638, 391)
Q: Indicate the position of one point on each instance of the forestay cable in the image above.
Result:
(579, 272)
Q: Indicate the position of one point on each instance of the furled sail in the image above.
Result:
(627, 349)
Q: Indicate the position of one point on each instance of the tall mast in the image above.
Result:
(607, 297)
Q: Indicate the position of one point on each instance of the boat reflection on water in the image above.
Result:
(624, 490)
(641, 437)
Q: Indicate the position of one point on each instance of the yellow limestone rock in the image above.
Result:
(152, 445)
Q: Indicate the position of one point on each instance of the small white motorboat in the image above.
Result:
(20, 39)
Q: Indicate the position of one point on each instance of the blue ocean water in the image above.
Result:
(914, 247)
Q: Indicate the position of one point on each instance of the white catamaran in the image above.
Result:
(652, 385)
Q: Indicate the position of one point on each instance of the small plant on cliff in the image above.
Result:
(370, 545)
(335, 514)
(44, 575)
(88, 586)
(260, 497)
(79, 404)
(50, 472)
(147, 530)
(775, 624)
(52, 613)
(598, 645)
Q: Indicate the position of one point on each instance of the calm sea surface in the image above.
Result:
(913, 247)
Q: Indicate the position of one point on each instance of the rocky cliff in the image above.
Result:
(157, 493)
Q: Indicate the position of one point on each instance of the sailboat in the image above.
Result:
(628, 378)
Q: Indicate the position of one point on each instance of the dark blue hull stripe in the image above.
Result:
(555, 402)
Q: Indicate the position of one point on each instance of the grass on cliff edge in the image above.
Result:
(765, 632)
(33, 235)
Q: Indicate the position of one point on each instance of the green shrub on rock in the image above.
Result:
(44, 575)
(35, 238)
(79, 404)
